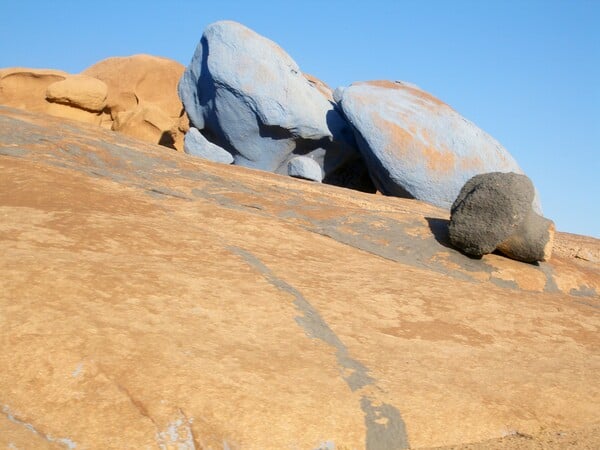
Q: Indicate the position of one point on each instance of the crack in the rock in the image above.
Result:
(68, 443)
(392, 434)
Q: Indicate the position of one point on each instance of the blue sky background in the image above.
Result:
(525, 71)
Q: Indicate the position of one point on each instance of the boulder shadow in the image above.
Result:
(166, 140)
(439, 229)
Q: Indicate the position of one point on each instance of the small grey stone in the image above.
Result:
(305, 167)
(195, 144)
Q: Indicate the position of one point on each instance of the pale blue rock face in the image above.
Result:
(417, 146)
(197, 145)
(249, 97)
(306, 168)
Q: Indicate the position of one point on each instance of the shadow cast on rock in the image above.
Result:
(439, 229)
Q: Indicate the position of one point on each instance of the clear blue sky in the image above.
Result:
(527, 72)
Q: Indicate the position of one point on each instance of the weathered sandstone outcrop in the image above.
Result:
(135, 95)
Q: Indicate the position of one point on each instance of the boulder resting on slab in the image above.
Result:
(493, 211)
(251, 98)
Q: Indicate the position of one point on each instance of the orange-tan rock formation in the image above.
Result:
(135, 95)
(151, 299)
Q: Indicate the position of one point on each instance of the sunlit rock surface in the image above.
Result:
(153, 299)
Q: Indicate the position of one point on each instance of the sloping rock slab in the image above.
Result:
(415, 145)
(150, 299)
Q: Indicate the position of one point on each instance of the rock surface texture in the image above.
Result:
(415, 145)
(494, 211)
(197, 145)
(249, 97)
(305, 167)
(80, 91)
(153, 300)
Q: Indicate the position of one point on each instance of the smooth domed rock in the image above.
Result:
(196, 144)
(494, 211)
(252, 99)
(25, 88)
(415, 145)
(80, 91)
(306, 168)
(139, 79)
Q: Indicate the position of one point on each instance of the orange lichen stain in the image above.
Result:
(416, 92)
(528, 278)
(471, 163)
(439, 161)
(439, 330)
(569, 277)
(399, 138)
(387, 84)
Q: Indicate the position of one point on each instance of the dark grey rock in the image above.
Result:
(195, 144)
(306, 168)
(494, 211)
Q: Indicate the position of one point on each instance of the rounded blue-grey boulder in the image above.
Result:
(493, 211)
(250, 97)
(195, 144)
(306, 168)
(415, 145)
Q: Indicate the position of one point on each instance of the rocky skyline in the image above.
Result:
(525, 73)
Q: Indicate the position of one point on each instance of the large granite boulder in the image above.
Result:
(494, 211)
(415, 145)
(250, 97)
(196, 144)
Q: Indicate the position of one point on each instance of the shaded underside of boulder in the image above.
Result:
(306, 168)
(196, 144)
(417, 146)
(249, 97)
